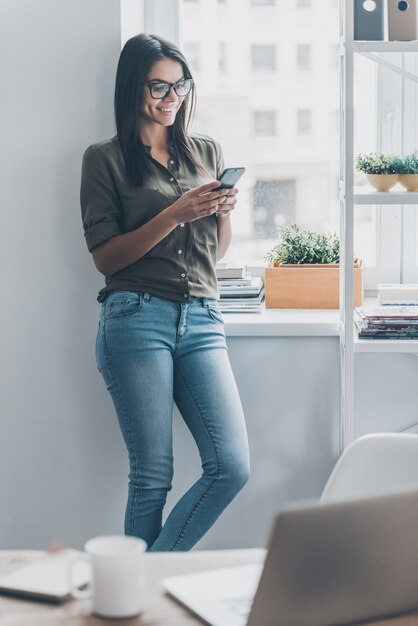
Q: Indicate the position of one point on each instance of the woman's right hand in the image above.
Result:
(196, 203)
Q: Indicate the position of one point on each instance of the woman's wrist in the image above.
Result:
(169, 215)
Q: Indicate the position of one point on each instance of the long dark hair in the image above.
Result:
(136, 59)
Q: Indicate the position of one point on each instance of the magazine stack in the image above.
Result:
(239, 291)
(387, 322)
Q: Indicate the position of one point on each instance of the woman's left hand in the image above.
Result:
(228, 204)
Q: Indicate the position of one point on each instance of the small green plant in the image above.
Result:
(378, 163)
(408, 165)
(304, 246)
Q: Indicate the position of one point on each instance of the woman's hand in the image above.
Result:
(199, 202)
(228, 205)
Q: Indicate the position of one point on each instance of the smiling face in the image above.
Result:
(163, 111)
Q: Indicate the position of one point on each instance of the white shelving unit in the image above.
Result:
(350, 197)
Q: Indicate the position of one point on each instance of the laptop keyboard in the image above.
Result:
(239, 606)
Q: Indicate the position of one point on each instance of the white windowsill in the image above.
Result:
(283, 323)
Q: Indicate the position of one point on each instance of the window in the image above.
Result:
(263, 58)
(264, 123)
(222, 57)
(274, 206)
(333, 57)
(254, 116)
(304, 57)
(334, 122)
(385, 120)
(192, 52)
(291, 170)
(304, 121)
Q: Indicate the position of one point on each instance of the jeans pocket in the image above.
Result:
(215, 313)
(122, 304)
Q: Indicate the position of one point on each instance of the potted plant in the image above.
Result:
(408, 172)
(304, 271)
(381, 169)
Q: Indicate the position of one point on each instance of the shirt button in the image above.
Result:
(182, 225)
(183, 275)
(179, 251)
(185, 295)
(171, 162)
(171, 179)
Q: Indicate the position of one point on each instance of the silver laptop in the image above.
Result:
(326, 565)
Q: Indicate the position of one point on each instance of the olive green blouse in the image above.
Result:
(181, 267)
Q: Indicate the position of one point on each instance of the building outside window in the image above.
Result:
(222, 62)
(304, 117)
(263, 3)
(192, 52)
(274, 206)
(264, 123)
(303, 53)
(263, 58)
(333, 57)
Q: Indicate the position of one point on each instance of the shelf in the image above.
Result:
(364, 195)
(385, 46)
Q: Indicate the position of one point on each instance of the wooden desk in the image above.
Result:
(161, 609)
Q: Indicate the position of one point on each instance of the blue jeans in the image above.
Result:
(151, 351)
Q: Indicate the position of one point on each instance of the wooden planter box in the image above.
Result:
(308, 286)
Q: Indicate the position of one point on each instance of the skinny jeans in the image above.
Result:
(152, 352)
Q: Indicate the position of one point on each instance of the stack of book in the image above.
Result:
(239, 292)
(387, 322)
(397, 294)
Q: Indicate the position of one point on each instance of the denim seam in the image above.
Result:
(127, 417)
(193, 508)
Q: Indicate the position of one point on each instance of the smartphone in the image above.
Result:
(230, 177)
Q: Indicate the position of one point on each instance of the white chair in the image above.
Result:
(374, 465)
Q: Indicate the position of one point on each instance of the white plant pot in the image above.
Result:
(382, 182)
(409, 181)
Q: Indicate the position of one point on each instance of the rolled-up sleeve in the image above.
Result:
(100, 206)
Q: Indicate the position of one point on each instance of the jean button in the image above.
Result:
(179, 251)
(183, 275)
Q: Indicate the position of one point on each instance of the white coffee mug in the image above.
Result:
(118, 577)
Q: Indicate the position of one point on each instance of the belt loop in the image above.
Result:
(204, 302)
(146, 296)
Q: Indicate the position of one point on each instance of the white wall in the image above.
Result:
(58, 465)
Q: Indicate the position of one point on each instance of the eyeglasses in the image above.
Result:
(159, 89)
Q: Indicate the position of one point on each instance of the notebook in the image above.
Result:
(46, 578)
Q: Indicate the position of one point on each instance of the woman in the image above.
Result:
(155, 227)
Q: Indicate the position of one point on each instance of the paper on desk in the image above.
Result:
(46, 578)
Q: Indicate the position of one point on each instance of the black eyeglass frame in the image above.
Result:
(168, 86)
